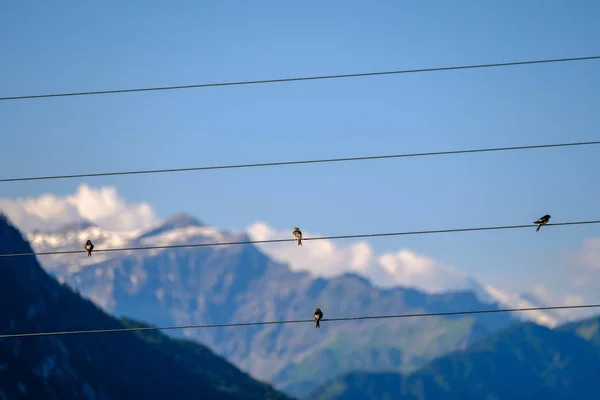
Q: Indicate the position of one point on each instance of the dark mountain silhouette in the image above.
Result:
(125, 365)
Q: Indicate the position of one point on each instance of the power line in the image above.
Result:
(316, 161)
(296, 79)
(164, 328)
(364, 235)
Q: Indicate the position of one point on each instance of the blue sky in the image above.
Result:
(79, 46)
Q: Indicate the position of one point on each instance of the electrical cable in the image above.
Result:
(296, 79)
(315, 161)
(364, 235)
(164, 328)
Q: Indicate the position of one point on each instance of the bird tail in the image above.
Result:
(299, 242)
(318, 325)
(538, 228)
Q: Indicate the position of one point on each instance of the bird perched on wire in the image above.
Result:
(318, 315)
(298, 235)
(542, 221)
(89, 247)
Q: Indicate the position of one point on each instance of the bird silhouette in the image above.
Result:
(318, 315)
(89, 247)
(542, 221)
(298, 235)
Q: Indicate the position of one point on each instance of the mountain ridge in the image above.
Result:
(522, 361)
(114, 366)
(231, 284)
(175, 221)
(182, 225)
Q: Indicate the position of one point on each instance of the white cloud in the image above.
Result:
(542, 293)
(406, 267)
(324, 258)
(572, 314)
(514, 300)
(320, 257)
(102, 206)
(574, 300)
(547, 298)
(543, 297)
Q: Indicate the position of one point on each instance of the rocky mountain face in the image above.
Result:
(524, 361)
(239, 283)
(124, 365)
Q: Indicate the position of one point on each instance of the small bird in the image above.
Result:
(89, 247)
(542, 221)
(318, 315)
(298, 235)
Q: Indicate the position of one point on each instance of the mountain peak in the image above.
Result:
(175, 221)
(9, 234)
(355, 276)
(182, 219)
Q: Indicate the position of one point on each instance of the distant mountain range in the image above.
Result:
(124, 365)
(524, 361)
(183, 229)
(239, 283)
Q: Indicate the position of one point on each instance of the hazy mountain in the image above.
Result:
(96, 366)
(174, 222)
(525, 361)
(224, 284)
(588, 329)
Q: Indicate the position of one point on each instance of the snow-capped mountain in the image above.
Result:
(224, 284)
(176, 230)
(67, 239)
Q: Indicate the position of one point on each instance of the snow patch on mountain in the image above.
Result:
(185, 235)
(74, 240)
(178, 230)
